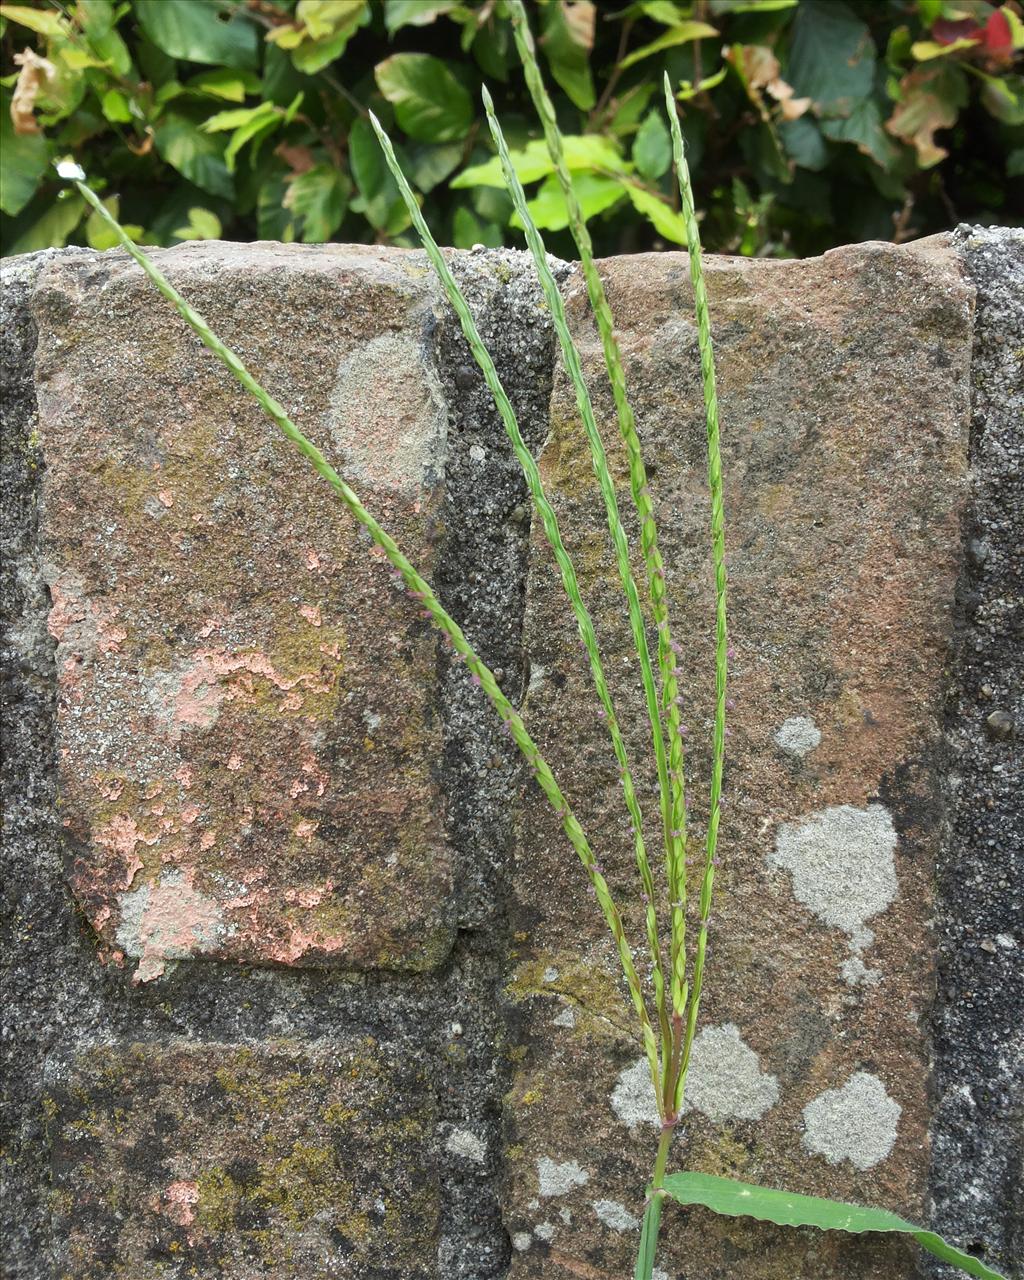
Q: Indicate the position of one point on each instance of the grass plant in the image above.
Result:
(667, 1014)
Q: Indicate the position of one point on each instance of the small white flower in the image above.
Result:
(69, 171)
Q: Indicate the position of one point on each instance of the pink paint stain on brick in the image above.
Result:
(168, 920)
(300, 942)
(312, 614)
(83, 624)
(120, 836)
(179, 1200)
(191, 698)
(109, 790)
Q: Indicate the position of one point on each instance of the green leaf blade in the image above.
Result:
(787, 1209)
(682, 33)
(196, 155)
(430, 104)
(192, 29)
(24, 162)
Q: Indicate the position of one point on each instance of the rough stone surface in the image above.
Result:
(281, 1160)
(247, 721)
(978, 1125)
(844, 392)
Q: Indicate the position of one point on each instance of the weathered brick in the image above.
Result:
(843, 384)
(247, 727)
(227, 1163)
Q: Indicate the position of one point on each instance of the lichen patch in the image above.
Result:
(633, 1098)
(558, 1179)
(857, 1123)
(843, 866)
(726, 1080)
(798, 736)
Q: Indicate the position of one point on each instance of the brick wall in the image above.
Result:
(305, 982)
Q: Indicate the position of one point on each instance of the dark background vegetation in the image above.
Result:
(809, 123)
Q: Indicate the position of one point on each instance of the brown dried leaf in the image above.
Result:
(930, 98)
(35, 74)
(760, 66)
(579, 16)
(793, 108)
(298, 158)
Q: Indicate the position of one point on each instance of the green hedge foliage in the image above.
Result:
(809, 123)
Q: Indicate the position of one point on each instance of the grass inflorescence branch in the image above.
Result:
(674, 812)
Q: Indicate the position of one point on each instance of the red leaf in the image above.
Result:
(997, 36)
(946, 31)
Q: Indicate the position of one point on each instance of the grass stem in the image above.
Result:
(571, 360)
(674, 811)
(707, 366)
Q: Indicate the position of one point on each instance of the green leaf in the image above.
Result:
(379, 197)
(24, 160)
(631, 107)
(1003, 97)
(688, 90)
(667, 12)
(51, 231)
(47, 22)
(430, 104)
(273, 220)
(1016, 25)
(155, 65)
(681, 33)
(428, 165)
(1015, 163)
(785, 1209)
(491, 46)
(202, 225)
(320, 32)
(226, 83)
(100, 234)
(96, 16)
(79, 59)
(255, 130)
(224, 120)
(582, 152)
(595, 193)
(568, 36)
(414, 13)
(192, 29)
(468, 230)
(648, 1240)
(652, 147)
(196, 155)
(665, 220)
(318, 198)
(832, 57)
(114, 52)
(804, 144)
(865, 129)
(115, 107)
(750, 6)
(925, 50)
